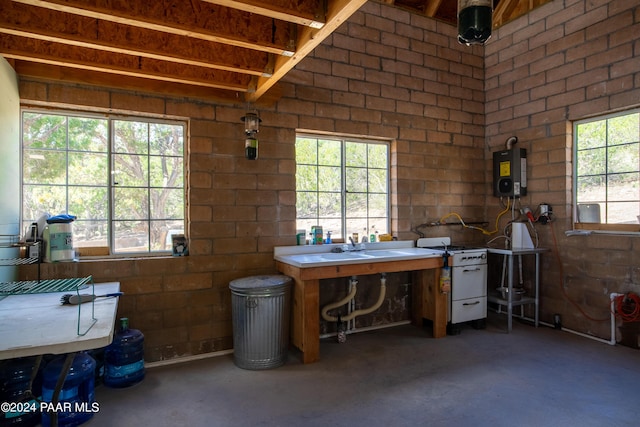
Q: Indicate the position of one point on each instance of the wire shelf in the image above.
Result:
(17, 261)
(43, 286)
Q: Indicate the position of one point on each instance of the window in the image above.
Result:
(342, 185)
(122, 177)
(607, 172)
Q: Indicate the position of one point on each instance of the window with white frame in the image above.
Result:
(607, 172)
(122, 177)
(342, 184)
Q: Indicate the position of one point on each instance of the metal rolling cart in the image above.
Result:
(509, 301)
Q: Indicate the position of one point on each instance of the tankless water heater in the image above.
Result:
(510, 173)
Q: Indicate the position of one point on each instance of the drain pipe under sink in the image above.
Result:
(351, 296)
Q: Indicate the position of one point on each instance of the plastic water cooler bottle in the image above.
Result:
(15, 378)
(77, 396)
(124, 357)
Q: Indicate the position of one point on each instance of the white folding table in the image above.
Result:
(38, 324)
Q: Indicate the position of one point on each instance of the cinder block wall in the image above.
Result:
(565, 61)
(384, 73)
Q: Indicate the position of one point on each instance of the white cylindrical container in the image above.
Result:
(60, 245)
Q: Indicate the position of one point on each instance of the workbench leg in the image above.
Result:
(440, 308)
(510, 295)
(429, 302)
(305, 325)
(537, 302)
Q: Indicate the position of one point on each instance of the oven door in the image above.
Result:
(469, 281)
(468, 293)
(468, 309)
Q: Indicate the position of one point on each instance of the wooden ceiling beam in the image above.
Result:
(197, 19)
(308, 13)
(432, 8)
(338, 12)
(55, 73)
(83, 32)
(95, 60)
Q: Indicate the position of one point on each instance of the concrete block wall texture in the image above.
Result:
(566, 61)
(384, 73)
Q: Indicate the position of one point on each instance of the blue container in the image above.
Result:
(15, 378)
(77, 397)
(124, 357)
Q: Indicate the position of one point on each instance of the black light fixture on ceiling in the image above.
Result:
(474, 21)
(251, 127)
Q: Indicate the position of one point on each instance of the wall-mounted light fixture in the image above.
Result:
(474, 21)
(251, 127)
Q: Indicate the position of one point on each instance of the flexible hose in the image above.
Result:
(620, 307)
(343, 301)
(627, 307)
(355, 313)
(381, 296)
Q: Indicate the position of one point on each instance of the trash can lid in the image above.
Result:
(269, 282)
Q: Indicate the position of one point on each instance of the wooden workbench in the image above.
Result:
(428, 302)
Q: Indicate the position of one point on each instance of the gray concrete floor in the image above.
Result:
(399, 377)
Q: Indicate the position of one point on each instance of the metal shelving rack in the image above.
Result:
(42, 286)
(509, 302)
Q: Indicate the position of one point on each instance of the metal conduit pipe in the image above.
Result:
(355, 313)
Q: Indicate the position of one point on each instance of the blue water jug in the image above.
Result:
(124, 357)
(77, 396)
(15, 379)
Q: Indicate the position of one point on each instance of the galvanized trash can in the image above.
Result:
(260, 311)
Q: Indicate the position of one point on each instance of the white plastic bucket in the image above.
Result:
(61, 242)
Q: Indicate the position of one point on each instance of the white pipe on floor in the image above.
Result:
(611, 341)
(368, 328)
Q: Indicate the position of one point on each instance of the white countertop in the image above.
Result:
(321, 255)
(35, 324)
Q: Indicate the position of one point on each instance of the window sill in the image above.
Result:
(125, 257)
(102, 254)
(589, 229)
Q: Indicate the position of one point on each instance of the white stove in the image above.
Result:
(468, 296)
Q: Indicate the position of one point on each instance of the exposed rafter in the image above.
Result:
(235, 50)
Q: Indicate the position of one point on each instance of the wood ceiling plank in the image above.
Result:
(27, 49)
(48, 72)
(338, 12)
(308, 13)
(204, 21)
(503, 11)
(432, 8)
(83, 32)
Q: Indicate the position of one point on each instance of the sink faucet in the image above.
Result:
(354, 246)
